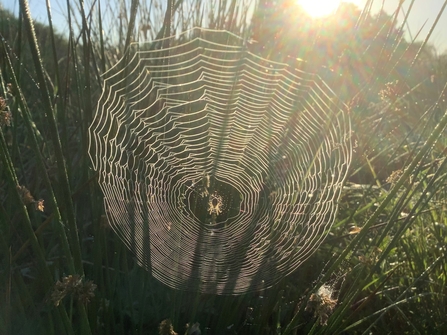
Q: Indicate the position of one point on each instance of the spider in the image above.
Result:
(215, 204)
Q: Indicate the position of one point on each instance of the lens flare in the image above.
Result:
(319, 8)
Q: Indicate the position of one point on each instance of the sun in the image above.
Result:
(319, 8)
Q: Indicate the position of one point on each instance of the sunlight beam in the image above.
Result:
(319, 8)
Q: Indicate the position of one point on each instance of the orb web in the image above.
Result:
(220, 170)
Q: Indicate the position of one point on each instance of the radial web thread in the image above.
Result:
(221, 171)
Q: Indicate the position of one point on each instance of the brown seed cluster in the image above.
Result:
(28, 199)
(391, 92)
(166, 328)
(394, 177)
(25, 194)
(372, 258)
(5, 114)
(322, 304)
(75, 286)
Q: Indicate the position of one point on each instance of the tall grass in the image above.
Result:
(382, 269)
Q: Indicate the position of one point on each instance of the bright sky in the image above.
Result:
(423, 12)
(321, 8)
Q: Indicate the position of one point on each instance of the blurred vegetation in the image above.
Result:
(382, 268)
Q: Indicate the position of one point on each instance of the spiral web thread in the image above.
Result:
(220, 170)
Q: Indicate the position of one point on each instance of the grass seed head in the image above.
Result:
(73, 285)
(25, 195)
(166, 328)
(5, 114)
(322, 304)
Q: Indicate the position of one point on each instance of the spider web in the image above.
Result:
(220, 170)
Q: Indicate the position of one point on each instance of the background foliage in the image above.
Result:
(381, 270)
